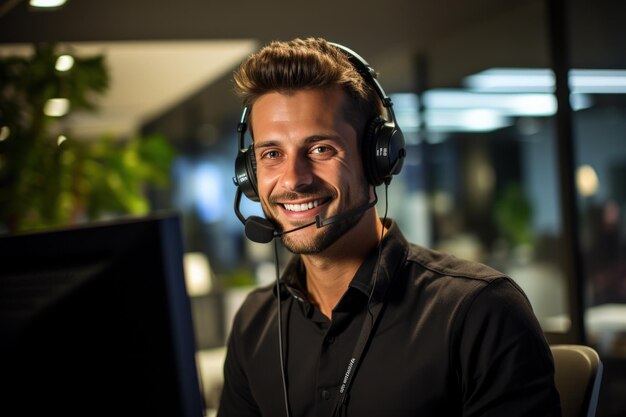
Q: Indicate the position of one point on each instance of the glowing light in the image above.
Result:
(61, 139)
(587, 180)
(197, 273)
(47, 3)
(56, 107)
(512, 80)
(481, 119)
(469, 111)
(541, 80)
(64, 63)
(508, 104)
(599, 81)
(465, 120)
(5, 132)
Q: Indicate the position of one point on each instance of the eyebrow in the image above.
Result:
(307, 141)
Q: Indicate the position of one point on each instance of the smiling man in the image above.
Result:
(362, 323)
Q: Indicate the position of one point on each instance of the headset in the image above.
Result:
(382, 146)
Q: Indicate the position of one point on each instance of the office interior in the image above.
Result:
(513, 111)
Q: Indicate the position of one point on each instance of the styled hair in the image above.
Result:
(303, 64)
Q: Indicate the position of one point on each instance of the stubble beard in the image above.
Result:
(327, 234)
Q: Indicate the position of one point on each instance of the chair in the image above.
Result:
(578, 375)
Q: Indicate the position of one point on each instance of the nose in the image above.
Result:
(297, 173)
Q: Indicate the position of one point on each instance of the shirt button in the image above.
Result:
(325, 395)
(330, 340)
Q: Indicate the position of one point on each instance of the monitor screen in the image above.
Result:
(95, 321)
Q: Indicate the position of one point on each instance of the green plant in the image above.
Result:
(49, 180)
(513, 215)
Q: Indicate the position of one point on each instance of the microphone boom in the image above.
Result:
(261, 230)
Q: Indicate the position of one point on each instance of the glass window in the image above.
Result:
(482, 176)
(598, 39)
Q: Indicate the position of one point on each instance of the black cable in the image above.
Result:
(279, 312)
(380, 249)
(280, 329)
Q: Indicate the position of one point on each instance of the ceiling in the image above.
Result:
(160, 52)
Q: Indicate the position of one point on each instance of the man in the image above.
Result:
(370, 324)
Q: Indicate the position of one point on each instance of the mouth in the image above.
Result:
(305, 206)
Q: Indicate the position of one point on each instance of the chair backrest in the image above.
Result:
(578, 375)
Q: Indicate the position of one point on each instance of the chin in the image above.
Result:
(322, 240)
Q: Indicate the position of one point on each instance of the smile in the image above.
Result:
(304, 206)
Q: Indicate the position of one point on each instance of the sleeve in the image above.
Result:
(236, 398)
(506, 366)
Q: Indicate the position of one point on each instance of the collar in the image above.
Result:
(373, 271)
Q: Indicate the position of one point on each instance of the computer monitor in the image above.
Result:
(95, 321)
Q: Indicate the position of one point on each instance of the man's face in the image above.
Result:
(308, 163)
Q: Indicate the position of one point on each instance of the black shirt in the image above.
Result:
(453, 338)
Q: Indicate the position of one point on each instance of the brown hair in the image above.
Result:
(301, 64)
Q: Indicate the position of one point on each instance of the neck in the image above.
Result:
(328, 274)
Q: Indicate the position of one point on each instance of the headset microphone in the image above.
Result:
(261, 230)
(257, 229)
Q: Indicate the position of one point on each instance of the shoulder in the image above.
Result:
(464, 285)
(431, 262)
(258, 307)
(444, 264)
(430, 268)
(432, 274)
(482, 297)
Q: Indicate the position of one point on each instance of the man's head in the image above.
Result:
(305, 64)
(309, 109)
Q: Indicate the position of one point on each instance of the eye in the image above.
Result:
(271, 154)
(321, 150)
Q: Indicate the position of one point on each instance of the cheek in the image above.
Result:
(352, 173)
(265, 180)
(352, 164)
(348, 167)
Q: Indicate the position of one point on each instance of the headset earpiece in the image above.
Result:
(245, 164)
(383, 151)
(245, 173)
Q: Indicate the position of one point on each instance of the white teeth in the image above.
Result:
(303, 206)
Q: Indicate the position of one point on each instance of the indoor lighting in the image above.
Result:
(447, 114)
(470, 111)
(197, 273)
(465, 120)
(599, 81)
(541, 80)
(64, 63)
(511, 80)
(587, 180)
(47, 3)
(5, 132)
(511, 104)
(56, 107)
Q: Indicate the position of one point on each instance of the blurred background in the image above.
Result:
(514, 114)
